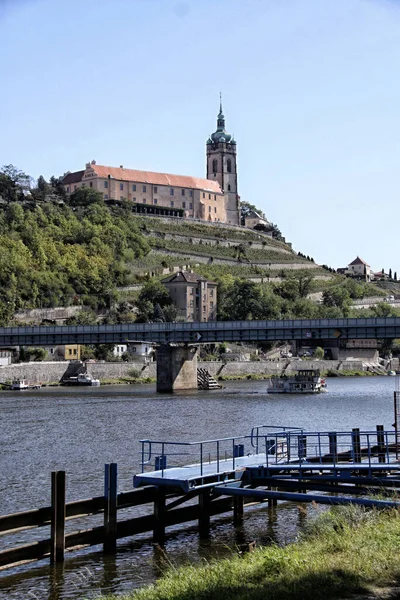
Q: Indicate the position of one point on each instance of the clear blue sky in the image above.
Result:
(311, 90)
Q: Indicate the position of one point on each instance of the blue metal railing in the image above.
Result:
(272, 445)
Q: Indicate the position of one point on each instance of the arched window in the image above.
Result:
(229, 165)
(215, 165)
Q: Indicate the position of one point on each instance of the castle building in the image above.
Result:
(214, 199)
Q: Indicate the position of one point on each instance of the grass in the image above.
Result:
(347, 550)
(127, 380)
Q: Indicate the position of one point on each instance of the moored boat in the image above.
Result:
(22, 384)
(82, 379)
(304, 381)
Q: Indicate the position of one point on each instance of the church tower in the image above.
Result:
(221, 166)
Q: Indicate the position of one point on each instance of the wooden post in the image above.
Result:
(57, 516)
(333, 446)
(380, 438)
(204, 513)
(159, 517)
(355, 438)
(238, 509)
(110, 508)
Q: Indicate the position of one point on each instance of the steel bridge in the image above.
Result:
(203, 333)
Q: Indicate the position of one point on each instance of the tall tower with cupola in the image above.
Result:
(222, 166)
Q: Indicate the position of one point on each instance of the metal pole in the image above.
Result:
(57, 516)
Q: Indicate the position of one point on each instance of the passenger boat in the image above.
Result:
(304, 381)
(82, 379)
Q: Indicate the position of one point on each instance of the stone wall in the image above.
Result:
(51, 372)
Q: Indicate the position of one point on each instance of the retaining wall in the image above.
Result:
(48, 372)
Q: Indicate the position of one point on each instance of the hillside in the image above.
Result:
(98, 258)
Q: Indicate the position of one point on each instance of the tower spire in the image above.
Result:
(220, 103)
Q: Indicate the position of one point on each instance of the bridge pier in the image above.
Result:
(176, 368)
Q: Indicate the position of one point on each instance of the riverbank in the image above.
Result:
(345, 551)
(47, 373)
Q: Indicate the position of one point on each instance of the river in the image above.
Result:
(79, 430)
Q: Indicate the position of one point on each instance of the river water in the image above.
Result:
(80, 430)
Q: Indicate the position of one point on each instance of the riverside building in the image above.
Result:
(214, 199)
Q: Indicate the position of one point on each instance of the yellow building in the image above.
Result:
(214, 199)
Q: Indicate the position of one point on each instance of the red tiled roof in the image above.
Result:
(73, 177)
(122, 174)
(358, 261)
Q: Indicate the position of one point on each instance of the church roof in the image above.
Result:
(185, 277)
(358, 261)
(122, 174)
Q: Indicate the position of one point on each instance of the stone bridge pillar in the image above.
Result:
(176, 368)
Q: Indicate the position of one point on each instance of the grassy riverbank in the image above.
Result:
(346, 551)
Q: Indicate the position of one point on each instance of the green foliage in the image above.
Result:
(52, 254)
(155, 303)
(319, 352)
(84, 196)
(36, 354)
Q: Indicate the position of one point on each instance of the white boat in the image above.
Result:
(22, 384)
(82, 379)
(304, 381)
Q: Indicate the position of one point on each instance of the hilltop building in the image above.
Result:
(214, 199)
(194, 296)
(358, 268)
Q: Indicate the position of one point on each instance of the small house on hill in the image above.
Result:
(194, 296)
(253, 219)
(357, 268)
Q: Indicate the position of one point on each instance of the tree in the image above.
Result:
(84, 196)
(395, 275)
(246, 208)
(319, 352)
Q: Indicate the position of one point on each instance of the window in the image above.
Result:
(144, 200)
(204, 308)
(121, 197)
(171, 192)
(190, 193)
(229, 165)
(215, 209)
(134, 187)
(155, 189)
(74, 188)
(229, 187)
(105, 196)
(215, 166)
(105, 184)
(182, 192)
(211, 304)
(155, 200)
(172, 204)
(134, 199)
(191, 304)
(191, 291)
(70, 351)
(121, 187)
(190, 206)
(215, 196)
(204, 195)
(209, 209)
(91, 184)
(183, 204)
(74, 351)
(51, 350)
(144, 188)
(209, 196)
(211, 293)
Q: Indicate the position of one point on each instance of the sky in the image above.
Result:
(311, 91)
